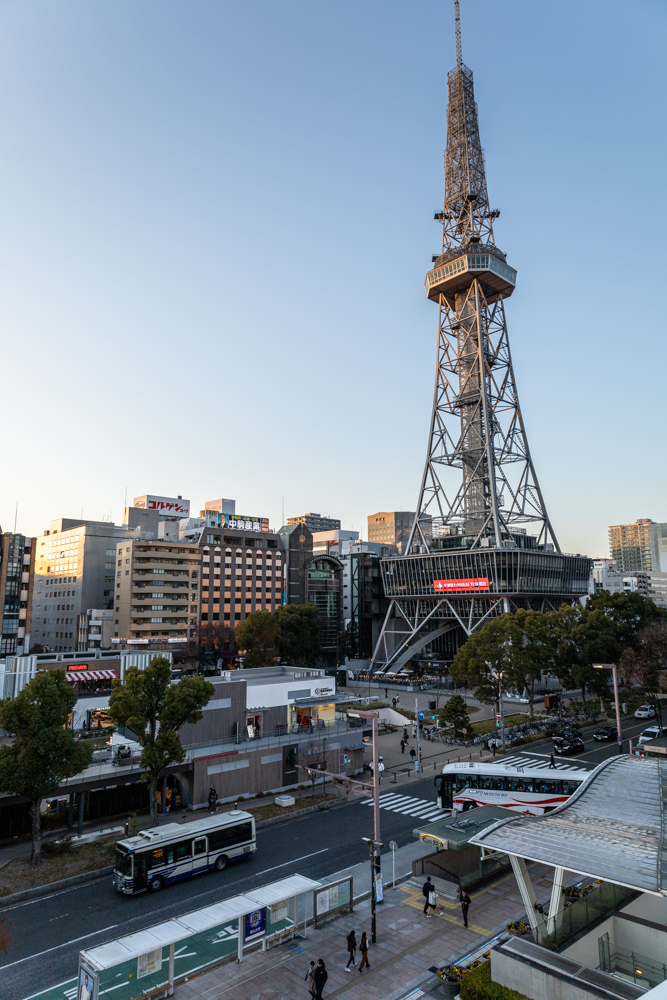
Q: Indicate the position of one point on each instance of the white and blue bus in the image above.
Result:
(170, 853)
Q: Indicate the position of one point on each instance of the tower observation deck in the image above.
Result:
(482, 543)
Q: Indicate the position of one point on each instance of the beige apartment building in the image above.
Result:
(156, 592)
(639, 546)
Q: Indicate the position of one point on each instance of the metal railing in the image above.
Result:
(640, 969)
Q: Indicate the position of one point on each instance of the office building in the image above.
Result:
(391, 527)
(315, 522)
(333, 543)
(156, 592)
(297, 542)
(17, 572)
(241, 572)
(639, 546)
(605, 575)
(75, 563)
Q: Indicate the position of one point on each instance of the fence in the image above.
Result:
(153, 959)
(640, 969)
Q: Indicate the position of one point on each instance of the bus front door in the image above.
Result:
(199, 854)
(443, 790)
(140, 870)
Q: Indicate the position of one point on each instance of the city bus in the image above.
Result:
(524, 782)
(170, 853)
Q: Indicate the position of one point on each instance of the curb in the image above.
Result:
(320, 807)
(63, 883)
(91, 876)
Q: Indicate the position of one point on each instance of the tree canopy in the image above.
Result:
(299, 633)
(455, 713)
(154, 709)
(43, 752)
(257, 638)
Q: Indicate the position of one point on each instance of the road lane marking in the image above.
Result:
(56, 946)
(292, 862)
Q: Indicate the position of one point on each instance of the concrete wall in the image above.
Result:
(223, 718)
(535, 982)
(246, 773)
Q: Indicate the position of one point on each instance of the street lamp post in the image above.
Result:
(612, 667)
(375, 843)
(502, 714)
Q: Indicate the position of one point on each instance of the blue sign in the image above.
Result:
(255, 923)
(422, 716)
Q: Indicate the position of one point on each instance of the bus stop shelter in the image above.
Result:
(154, 958)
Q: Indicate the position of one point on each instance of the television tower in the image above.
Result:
(481, 543)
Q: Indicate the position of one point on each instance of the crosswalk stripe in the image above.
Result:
(408, 805)
(397, 800)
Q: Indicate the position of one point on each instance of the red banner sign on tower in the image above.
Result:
(463, 585)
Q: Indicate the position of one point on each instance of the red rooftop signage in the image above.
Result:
(471, 583)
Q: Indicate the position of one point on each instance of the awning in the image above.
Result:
(90, 675)
(612, 828)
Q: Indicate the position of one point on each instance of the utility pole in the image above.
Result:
(500, 708)
(375, 844)
(419, 760)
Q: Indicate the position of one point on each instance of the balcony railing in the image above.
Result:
(630, 965)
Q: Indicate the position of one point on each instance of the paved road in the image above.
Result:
(47, 934)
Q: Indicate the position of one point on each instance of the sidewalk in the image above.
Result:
(409, 950)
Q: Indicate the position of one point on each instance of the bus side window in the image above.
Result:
(525, 785)
(485, 781)
(474, 781)
(460, 781)
(219, 839)
(496, 782)
(157, 858)
(199, 846)
(547, 787)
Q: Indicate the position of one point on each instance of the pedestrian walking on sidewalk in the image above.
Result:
(427, 889)
(402, 746)
(351, 950)
(465, 906)
(393, 703)
(320, 977)
(380, 769)
(413, 754)
(386, 692)
(363, 946)
(310, 979)
(212, 799)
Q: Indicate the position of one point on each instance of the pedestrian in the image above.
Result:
(351, 951)
(320, 977)
(386, 692)
(393, 703)
(402, 746)
(465, 906)
(413, 754)
(212, 799)
(414, 728)
(398, 700)
(380, 769)
(428, 889)
(405, 733)
(494, 748)
(363, 947)
(310, 979)
(552, 762)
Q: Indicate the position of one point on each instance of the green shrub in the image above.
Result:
(478, 985)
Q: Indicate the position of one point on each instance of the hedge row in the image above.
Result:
(478, 985)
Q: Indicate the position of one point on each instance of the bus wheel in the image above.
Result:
(156, 883)
(221, 863)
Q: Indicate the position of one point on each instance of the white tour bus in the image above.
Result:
(522, 781)
(165, 854)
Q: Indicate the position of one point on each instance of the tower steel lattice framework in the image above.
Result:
(482, 543)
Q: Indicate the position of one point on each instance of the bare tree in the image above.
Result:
(645, 664)
(311, 757)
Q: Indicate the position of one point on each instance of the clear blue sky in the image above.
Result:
(215, 221)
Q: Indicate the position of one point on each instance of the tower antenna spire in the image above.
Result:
(457, 24)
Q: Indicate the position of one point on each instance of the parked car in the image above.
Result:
(645, 712)
(567, 745)
(606, 733)
(652, 733)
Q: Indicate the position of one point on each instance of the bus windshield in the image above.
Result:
(123, 862)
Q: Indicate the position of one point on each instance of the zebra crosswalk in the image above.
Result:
(420, 808)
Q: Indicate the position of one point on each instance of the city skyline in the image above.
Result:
(151, 176)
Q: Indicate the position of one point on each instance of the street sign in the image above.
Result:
(422, 716)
